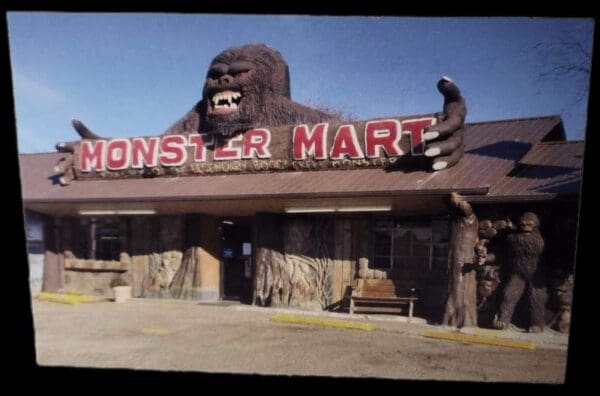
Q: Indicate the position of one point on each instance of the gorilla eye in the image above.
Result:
(216, 70)
(240, 68)
(238, 71)
(214, 73)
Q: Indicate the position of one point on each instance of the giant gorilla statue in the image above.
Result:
(524, 248)
(249, 86)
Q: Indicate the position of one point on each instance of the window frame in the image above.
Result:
(404, 221)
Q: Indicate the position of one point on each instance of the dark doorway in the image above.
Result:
(236, 258)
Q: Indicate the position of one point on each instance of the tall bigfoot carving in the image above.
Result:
(461, 305)
(249, 86)
(523, 250)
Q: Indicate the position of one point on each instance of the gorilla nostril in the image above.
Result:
(226, 79)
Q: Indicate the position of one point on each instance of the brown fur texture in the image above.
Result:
(523, 251)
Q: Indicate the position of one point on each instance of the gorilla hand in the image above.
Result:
(64, 168)
(447, 134)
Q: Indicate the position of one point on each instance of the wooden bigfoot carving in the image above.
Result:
(249, 86)
(461, 305)
(563, 293)
(523, 250)
(488, 271)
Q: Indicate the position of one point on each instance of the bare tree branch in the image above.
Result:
(565, 60)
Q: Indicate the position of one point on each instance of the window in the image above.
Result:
(81, 239)
(402, 243)
(35, 247)
(441, 241)
(99, 239)
(34, 233)
(108, 241)
(382, 245)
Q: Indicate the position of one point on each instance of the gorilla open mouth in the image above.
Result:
(224, 102)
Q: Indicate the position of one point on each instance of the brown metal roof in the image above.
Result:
(548, 170)
(491, 151)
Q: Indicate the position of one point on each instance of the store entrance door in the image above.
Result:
(236, 258)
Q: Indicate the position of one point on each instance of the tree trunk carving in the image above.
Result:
(461, 304)
(186, 282)
(300, 277)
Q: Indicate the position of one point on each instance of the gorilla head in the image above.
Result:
(242, 85)
(529, 222)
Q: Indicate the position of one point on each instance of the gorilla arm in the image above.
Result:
(446, 148)
(64, 168)
(190, 122)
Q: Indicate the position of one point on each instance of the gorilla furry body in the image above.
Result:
(523, 251)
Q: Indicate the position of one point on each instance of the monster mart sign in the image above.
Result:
(362, 144)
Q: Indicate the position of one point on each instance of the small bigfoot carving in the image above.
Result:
(523, 250)
(488, 273)
(563, 293)
(489, 280)
(488, 276)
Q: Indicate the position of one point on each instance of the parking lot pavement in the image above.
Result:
(189, 336)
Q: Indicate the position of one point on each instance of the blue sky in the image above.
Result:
(136, 74)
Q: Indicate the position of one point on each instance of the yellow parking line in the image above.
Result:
(342, 324)
(155, 331)
(477, 339)
(64, 298)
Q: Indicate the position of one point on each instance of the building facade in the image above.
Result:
(297, 238)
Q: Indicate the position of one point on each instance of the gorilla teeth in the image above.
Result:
(226, 99)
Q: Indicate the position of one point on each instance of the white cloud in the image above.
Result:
(36, 92)
(42, 114)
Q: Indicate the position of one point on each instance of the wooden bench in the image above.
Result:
(382, 296)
